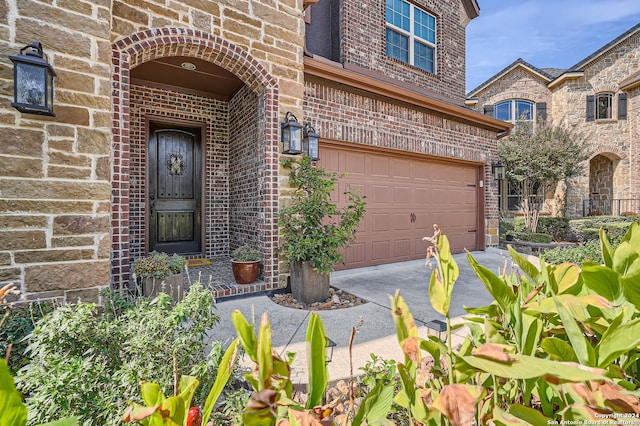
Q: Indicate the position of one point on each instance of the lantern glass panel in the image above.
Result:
(31, 83)
(295, 144)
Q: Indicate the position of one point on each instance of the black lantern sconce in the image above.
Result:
(32, 81)
(291, 135)
(310, 142)
(497, 170)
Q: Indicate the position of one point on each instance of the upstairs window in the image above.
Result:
(604, 106)
(514, 110)
(411, 35)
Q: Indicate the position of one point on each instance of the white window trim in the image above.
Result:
(413, 38)
(512, 107)
(610, 97)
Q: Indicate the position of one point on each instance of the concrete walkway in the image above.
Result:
(376, 331)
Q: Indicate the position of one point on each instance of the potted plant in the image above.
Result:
(160, 272)
(315, 230)
(245, 261)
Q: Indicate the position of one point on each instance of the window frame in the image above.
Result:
(513, 110)
(412, 37)
(608, 115)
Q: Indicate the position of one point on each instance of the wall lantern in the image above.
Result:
(329, 350)
(310, 144)
(497, 170)
(32, 81)
(291, 135)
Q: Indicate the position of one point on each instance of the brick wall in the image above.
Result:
(148, 45)
(364, 44)
(160, 104)
(353, 117)
(246, 172)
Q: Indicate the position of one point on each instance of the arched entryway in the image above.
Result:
(192, 104)
(601, 184)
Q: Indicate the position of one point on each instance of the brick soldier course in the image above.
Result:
(74, 205)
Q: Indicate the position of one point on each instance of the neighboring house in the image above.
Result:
(167, 132)
(598, 97)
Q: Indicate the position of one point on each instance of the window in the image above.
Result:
(411, 35)
(603, 106)
(514, 110)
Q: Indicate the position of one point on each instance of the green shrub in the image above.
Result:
(89, 364)
(586, 229)
(557, 227)
(538, 237)
(586, 251)
(18, 325)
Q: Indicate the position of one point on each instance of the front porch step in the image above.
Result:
(219, 278)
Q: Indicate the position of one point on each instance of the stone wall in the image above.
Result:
(65, 182)
(54, 179)
(566, 104)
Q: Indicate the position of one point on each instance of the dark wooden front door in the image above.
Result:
(174, 196)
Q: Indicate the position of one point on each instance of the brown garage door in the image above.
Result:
(405, 197)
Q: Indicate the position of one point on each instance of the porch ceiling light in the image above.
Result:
(497, 170)
(291, 135)
(310, 144)
(32, 81)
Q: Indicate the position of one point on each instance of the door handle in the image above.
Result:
(152, 202)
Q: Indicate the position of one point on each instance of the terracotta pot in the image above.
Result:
(245, 272)
(173, 285)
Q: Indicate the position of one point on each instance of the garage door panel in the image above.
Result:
(405, 197)
(380, 222)
(381, 194)
(380, 250)
(355, 253)
(402, 248)
(401, 194)
(379, 166)
(400, 169)
(354, 163)
(401, 221)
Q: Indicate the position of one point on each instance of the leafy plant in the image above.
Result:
(158, 265)
(315, 229)
(536, 160)
(89, 364)
(17, 326)
(246, 254)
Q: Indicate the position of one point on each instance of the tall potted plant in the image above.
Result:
(315, 230)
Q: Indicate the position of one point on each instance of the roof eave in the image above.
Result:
(569, 75)
(515, 65)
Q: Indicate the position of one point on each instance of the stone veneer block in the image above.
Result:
(66, 276)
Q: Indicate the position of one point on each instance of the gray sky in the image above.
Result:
(545, 33)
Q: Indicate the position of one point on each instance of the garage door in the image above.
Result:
(405, 197)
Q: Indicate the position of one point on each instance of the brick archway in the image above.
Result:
(149, 45)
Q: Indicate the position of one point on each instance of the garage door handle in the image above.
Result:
(412, 217)
(472, 230)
